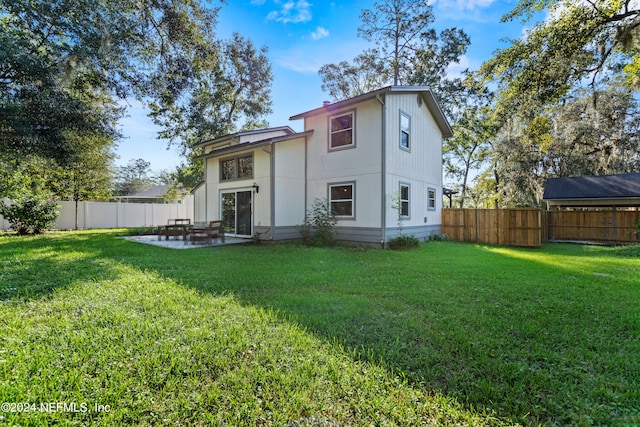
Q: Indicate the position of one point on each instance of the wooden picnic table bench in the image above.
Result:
(175, 227)
(207, 234)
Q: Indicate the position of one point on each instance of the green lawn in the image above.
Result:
(449, 334)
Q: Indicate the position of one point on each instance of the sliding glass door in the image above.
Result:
(236, 212)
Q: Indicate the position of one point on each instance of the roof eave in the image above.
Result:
(424, 91)
(232, 136)
(250, 145)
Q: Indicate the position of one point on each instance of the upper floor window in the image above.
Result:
(341, 198)
(405, 131)
(431, 199)
(404, 200)
(341, 131)
(240, 167)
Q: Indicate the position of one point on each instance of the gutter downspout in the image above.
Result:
(383, 174)
(272, 184)
(206, 195)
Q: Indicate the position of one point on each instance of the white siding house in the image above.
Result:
(367, 155)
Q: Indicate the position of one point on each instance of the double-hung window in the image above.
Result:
(341, 131)
(341, 199)
(405, 131)
(240, 167)
(431, 199)
(405, 194)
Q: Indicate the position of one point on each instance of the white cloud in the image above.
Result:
(305, 58)
(299, 60)
(291, 11)
(455, 70)
(320, 33)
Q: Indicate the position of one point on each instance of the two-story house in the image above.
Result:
(377, 159)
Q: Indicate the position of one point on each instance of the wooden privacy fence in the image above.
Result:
(508, 227)
(533, 227)
(611, 226)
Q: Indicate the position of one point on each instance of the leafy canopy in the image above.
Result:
(579, 42)
(407, 52)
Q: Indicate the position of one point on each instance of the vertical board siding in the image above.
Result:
(532, 227)
(508, 227)
(420, 166)
(614, 226)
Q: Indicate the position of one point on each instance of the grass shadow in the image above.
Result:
(537, 342)
(53, 261)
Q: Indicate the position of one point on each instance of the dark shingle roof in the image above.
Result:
(593, 187)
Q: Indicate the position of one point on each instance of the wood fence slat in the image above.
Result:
(513, 227)
(532, 227)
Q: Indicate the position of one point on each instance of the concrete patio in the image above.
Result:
(178, 243)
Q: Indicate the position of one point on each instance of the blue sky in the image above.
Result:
(303, 35)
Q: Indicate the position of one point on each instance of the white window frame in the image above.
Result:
(352, 129)
(402, 201)
(431, 201)
(405, 129)
(351, 184)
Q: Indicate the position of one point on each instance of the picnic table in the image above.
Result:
(207, 234)
(175, 227)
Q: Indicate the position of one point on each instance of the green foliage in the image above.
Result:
(407, 52)
(470, 147)
(227, 87)
(628, 251)
(439, 237)
(319, 223)
(30, 214)
(593, 40)
(403, 242)
(134, 177)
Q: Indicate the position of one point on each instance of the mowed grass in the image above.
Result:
(449, 334)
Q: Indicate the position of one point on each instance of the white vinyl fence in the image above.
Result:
(118, 214)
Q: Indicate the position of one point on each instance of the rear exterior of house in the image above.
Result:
(377, 158)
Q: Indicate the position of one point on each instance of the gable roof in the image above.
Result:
(424, 91)
(286, 129)
(250, 145)
(593, 187)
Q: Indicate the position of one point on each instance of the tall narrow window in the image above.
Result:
(245, 167)
(405, 131)
(228, 169)
(404, 200)
(431, 199)
(341, 198)
(341, 131)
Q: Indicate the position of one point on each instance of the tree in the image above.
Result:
(344, 80)
(133, 178)
(579, 41)
(600, 138)
(57, 56)
(228, 88)
(407, 52)
(577, 137)
(469, 148)
(31, 208)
